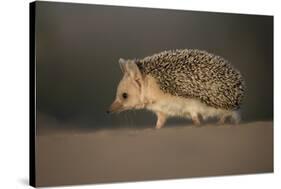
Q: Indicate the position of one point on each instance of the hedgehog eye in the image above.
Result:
(125, 95)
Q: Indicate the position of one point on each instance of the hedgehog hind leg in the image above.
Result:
(235, 117)
(222, 119)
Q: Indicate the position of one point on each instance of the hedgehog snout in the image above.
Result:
(115, 107)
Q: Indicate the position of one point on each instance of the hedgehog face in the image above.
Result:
(128, 95)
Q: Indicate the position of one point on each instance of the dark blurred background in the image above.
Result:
(78, 47)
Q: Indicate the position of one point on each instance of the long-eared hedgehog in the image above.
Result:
(187, 82)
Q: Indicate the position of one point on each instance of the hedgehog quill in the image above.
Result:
(187, 83)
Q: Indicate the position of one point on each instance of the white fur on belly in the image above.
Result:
(176, 106)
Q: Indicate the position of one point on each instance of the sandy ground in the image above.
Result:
(65, 158)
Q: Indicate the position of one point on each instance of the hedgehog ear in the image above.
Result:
(122, 64)
(134, 72)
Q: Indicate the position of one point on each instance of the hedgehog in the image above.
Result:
(188, 83)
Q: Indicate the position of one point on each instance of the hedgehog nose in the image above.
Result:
(108, 111)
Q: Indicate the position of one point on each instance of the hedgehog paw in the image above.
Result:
(195, 119)
(222, 120)
(161, 119)
(236, 118)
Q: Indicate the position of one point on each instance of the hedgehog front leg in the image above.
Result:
(195, 118)
(161, 119)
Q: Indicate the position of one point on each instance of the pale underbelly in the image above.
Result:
(184, 108)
